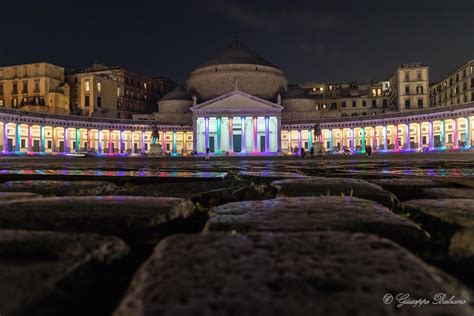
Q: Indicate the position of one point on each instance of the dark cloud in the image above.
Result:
(310, 40)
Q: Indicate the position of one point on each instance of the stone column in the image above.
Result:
(132, 142)
(231, 135)
(99, 141)
(420, 136)
(310, 139)
(88, 139)
(468, 133)
(395, 140)
(174, 143)
(255, 134)
(330, 140)
(443, 139)
(143, 142)
(111, 141)
(164, 142)
(42, 149)
(267, 134)
(219, 134)
(206, 129)
(363, 139)
(352, 139)
(385, 138)
(278, 134)
(185, 142)
(30, 138)
(5, 137)
(299, 142)
(455, 133)
(374, 137)
(17, 137)
(195, 134)
(66, 140)
(431, 134)
(244, 149)
(342, 139)
(78, 140)
(407, 137)
(122, 143)
(54, 139)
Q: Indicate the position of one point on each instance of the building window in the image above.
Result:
(1, 88)
(87, 86)
(99, 87)
(324, 105)
(37, 86)
(407, 76)
(25, 87)
(420, 103)
(15, 88)
(333, 106)
(343, 104)
(374, 92)
(99, 102)
(87, 101)
(419, 89)
(354, 104)
(364, 103)
(374, 103)
(419, 76)
(407, 90)
(384, 102)
(407, 104)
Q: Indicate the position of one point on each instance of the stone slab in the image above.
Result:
(319, 186)
(459, 212)
(136, 219)
(407, 188)
(49, 273)
(267, 176)
(13, 196)
(449, 193)
(285, 274)
(59, 188)
(461, 245)
(313, 214)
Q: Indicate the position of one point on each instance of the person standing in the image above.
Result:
(207, 153)
(302, 152)
(311, 152)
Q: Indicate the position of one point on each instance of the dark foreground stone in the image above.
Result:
(285, 274)
(59, 188)
(407, 188)
(138, 220)
(459, 212)
(315, 214)
(47, 273)
(449, 193)
(319, 186)
(13, 196)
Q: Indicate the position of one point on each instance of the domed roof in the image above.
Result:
(177, 93)
(237, 53)
(296, 92)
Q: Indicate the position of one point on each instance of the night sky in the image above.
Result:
(319, 41)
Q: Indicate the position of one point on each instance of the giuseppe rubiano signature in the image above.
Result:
(402, 299)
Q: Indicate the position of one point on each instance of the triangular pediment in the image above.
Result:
(237, 101)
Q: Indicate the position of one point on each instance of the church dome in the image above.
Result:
(175, 101)
(237, 52)
(237, 66)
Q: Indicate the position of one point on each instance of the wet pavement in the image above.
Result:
(179, 236)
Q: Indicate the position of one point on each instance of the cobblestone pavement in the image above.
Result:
(387, 235)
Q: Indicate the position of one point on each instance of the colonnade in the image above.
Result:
(33, 138)
(453, 133)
